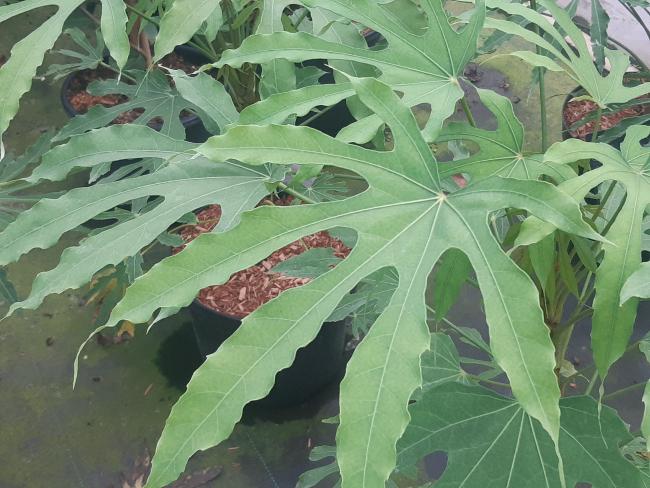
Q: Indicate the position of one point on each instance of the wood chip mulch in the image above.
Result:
(82, 101)
(576, 110)
(248, 289)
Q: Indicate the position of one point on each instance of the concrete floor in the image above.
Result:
(56, 437)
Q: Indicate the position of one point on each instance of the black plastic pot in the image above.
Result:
(194, 128)
(316, 365)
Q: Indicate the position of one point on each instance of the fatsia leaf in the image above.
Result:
(185, 185)
(424, 66)
(278, 75)
(491, 442)
(88, 57)
(449, 279)
(440, 365)
(310, 264)
(179, 24)
(501, 151)
(403, 221)
(598, 33)
(27, 54)
(113, 25)
(638, 284)
(209, 94)
(152, 93)
(612, 321)
(604, 90)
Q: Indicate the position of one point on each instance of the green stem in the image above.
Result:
(542, 87)
(117, 72)
(489, 382)
(316, 115)
(594, 134)
(468, 112)
(295, 193)
(623, 391)
(592, 383)
(153, 21)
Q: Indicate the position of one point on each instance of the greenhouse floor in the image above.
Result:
(99, 434)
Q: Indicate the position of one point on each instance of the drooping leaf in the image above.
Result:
(404, 221)
(491, 442)
(425, 66)
(184, 19)
(159, 102)
(612, 321)
(27, 54)
(604, 90)
(113, 25)
(598, 33)
(185, 185)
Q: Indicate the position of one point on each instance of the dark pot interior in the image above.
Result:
(316, 365)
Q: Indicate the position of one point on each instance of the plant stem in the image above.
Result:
(468, 112)
(542, 87)
(141, 14)
(592, 383)
(117, 72)
(316, 115)
(594, 134)
(489, 382)
(295, 193)
(623, 391)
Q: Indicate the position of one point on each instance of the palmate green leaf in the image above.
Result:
(403, 221)
(604, 90)
(425, 66)
(186, 184)
(88, 57)
(209, 94)
(152, 93)
(184, 19)
(612, 321)
(440, 365)
(491, 442)
(28, 53)
(501, 151)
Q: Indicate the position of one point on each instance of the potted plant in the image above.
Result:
(521, 226)
(218, 310)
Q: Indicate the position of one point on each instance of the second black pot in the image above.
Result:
(194, 128)
(316, 365)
